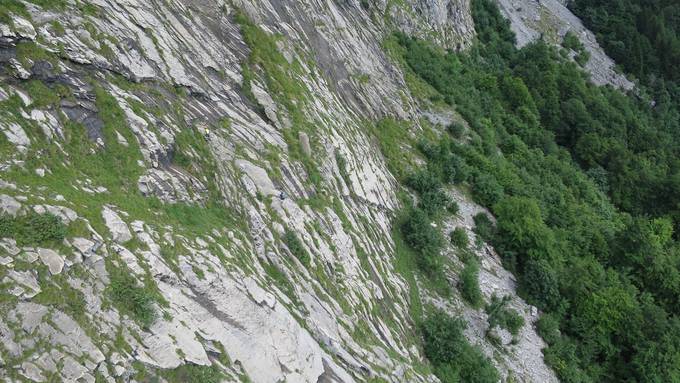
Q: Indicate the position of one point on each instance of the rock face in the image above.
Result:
(243, 220)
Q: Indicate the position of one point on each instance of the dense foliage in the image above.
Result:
(583, 182)
(33, 229)
(641, 35)
(453, 358)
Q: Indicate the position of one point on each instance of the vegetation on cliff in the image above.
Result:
(581, 179)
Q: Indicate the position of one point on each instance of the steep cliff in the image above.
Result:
(223, 198)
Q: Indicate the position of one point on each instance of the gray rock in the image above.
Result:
(85, 246)
(51, 259)
(23, 27)
(118, 228)
(9, 205)
(304, 144)
(28, 280)
(16, 135)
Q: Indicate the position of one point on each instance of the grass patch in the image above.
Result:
(296, 247)
(193, 373)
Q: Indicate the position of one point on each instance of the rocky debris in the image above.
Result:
(23, 27)
(118, 228)
(256, 179)
(551, 20)
(32, 372)
(9, 205)
(521, 355)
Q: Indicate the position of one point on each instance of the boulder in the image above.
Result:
(9, 205)
(51, 259)
(118, 228)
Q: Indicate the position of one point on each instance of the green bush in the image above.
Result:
(484, 228)
(459, 238)
(456, 129)
(571, 41)
(538, 129)
(500, 315)
(6, 226)
(548, 327)
(453, 358)
(453, 208)
(455, 170)
(486, 190)
(296, 247)
(423, 181)
(469, 284)
(129, 298)
(424, 239)
(434, 202)
(33, 229)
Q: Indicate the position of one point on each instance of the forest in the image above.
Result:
(583, 182)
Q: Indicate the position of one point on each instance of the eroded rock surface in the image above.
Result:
(243, 220)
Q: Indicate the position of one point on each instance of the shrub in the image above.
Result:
(582, 58)
(424, 239)
(296, 247)
(459, 238)
(130, 298)
(6, 226)
(453, 358)
(423, 181)
(484, 228)
(456, 129)
(500, 315)
(33, 229)
(455, 169)
(486, 190)
(469, 284)
(571, 41)
(541, 283)
(548, 327)
(434, 202)
(453, 207)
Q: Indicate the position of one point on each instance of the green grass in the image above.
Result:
(296, 247)
(58, 294)
(41, 95)
(394, 143)
(283, 83)
(8, 7)
(193, 373)
(28, 50)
